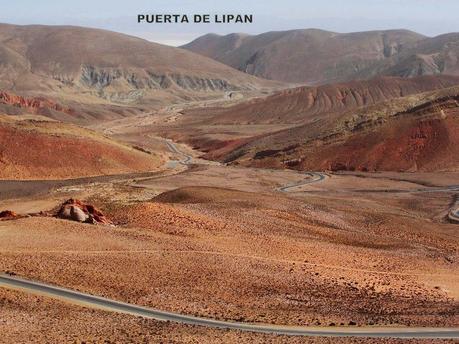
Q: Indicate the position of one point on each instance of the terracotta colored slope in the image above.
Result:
(36, 152)
(34, 104)
(402, 135)
(407, 145)
(304, 104)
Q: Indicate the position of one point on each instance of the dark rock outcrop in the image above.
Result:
(8, 215)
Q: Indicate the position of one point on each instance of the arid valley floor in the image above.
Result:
(225, 242)
(168, 180)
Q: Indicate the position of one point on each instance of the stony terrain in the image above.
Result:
(317, 260)
(336, 253)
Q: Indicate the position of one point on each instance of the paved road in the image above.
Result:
(29, 188)
(447, 188)
(315, 177)
(173, 148)
(454, 215)
(97, 302)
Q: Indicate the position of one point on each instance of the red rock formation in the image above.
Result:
(305, 103)
(76, 210)
(33, 103)
(424, 138)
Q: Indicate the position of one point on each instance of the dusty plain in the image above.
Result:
(223, 242)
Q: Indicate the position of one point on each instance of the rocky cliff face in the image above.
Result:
(101, 78)
(131, 84)
(33, 104)
(77, 62)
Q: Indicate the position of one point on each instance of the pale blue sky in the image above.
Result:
(429, 17)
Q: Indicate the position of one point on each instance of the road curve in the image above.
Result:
(188, 159)
(315, 177)
(97, 302)
(173, 148)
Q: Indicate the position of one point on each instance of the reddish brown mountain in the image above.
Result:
(305, 104)
(419, 132)
(98, 66)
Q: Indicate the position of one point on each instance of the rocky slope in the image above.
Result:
(32, 104)
(411, 133)
(319, 57)
(437, 55)
(305, 104)
(80, 63)
(35, 149)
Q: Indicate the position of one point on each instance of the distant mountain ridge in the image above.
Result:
(316, 57)
(76, 62)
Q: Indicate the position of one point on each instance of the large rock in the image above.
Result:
(77, 214)
(8, 215)
(77, 210)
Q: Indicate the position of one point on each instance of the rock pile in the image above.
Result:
(76, 210)
(8, 215)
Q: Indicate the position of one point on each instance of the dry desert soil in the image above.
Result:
(356, 249)
(202, 190)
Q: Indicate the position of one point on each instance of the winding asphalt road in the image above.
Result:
(173, 148)
(102, 303)
(96, 302)
(315, 177)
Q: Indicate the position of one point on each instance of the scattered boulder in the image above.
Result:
(8, 215)
(76, 210)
